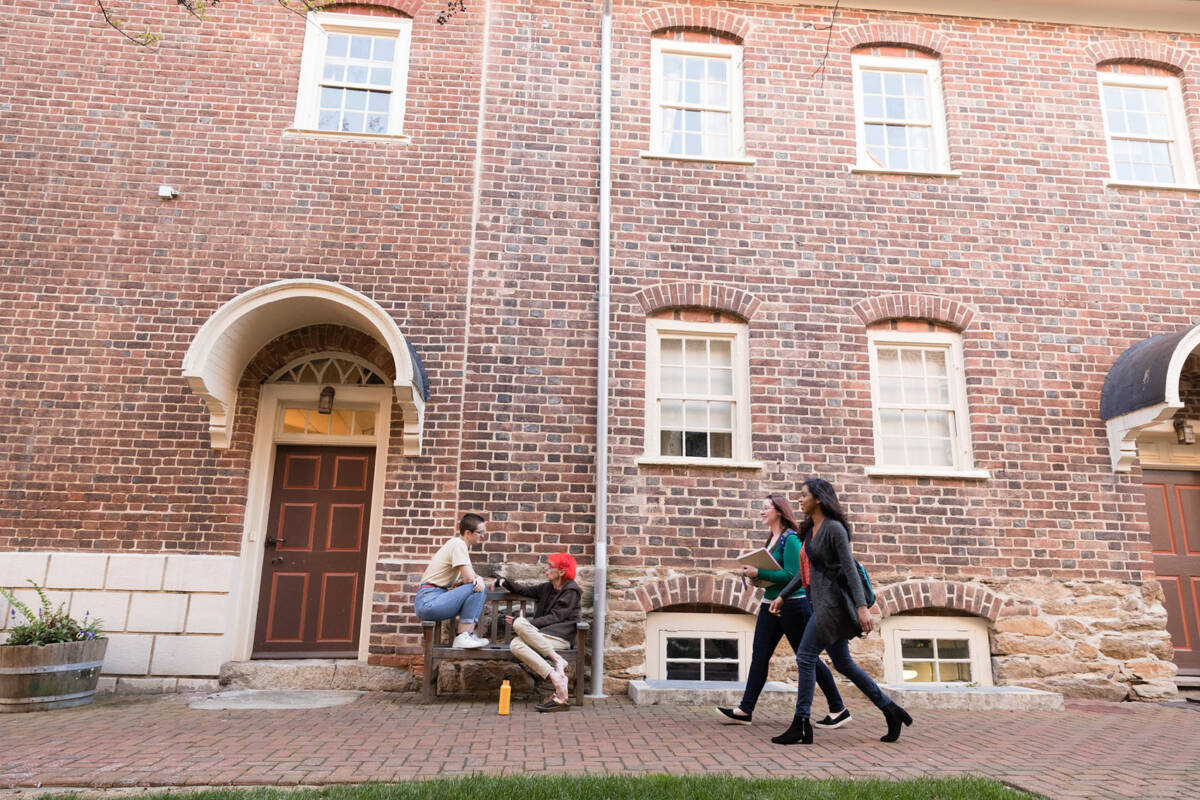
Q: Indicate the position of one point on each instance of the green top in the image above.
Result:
(791, 565)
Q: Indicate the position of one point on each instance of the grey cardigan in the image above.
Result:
(835, 589)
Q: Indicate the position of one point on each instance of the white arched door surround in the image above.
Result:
(217, 357)
(1142, 391)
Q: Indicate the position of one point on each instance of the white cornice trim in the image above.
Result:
(1179, 16)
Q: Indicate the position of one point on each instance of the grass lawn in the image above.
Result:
(642, 787)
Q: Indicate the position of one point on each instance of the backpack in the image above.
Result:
(868, 591)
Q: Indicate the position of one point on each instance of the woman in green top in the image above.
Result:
(784, 544)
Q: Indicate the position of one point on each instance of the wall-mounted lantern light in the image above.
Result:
(1184, 433)
(325, 404)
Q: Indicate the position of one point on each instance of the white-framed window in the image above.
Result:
(899, 113)
(1146, 130)
(696, 91)
(697, 392)
(918, 391)
(353, 74)
(936, 650)
(698, 647)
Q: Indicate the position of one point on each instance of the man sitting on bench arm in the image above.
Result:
(554, 616)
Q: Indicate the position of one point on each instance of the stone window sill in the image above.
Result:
(749, 162)
(932, 472)
(667, 461)
(1169, 187)
(918, 173)
(368, 137)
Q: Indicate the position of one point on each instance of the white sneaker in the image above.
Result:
(468, 641)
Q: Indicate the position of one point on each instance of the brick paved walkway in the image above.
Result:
(1092, 750)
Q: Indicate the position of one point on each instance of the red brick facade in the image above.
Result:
(478, 234)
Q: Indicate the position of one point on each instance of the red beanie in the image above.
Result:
(563, 561)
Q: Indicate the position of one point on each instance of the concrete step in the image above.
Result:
(782, 696)
(316, 673)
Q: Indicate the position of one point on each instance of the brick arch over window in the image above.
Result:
(698, 295)
(896, 34)
(1134, 51)
(910, 305)
(408, 8)
(713, 20)
(972, 598)
(720, 590)
(316, 339)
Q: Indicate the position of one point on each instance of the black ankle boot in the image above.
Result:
(895, 716)
(800, 731)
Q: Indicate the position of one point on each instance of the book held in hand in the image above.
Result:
(759, 559)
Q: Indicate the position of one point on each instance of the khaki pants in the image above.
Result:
(529, 645)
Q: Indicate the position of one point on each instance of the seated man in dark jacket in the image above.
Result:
(554, 616)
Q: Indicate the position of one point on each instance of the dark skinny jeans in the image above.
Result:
(810, 666)
(768, 630)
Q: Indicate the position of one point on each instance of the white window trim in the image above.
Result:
(973, 629)
(737, 126)
(320, 23)
(660, 624)
(740, 353)
(964, 460)
(940, 147)
(1181, 149)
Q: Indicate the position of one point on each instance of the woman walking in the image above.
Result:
(783, 543)
(839, 612)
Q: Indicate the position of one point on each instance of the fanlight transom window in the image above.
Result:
(330, 368)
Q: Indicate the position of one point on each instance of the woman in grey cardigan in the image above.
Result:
(839, 611)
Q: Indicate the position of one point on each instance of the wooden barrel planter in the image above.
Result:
(43, 677)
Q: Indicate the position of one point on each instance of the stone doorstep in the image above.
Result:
(316, 673)
(782, 696)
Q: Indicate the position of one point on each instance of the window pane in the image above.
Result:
(893, 83)
(912, 362)
(874, 135)
(670, 443)
(695, 445)
(872, 82)
(340, 422)
(331, 98)
(696, 415)
(721, 352)
(317, 423)
(683, 671)
(872, 106)
(895, 108)
(671, 414)
(360, 47)
(721, 416)
(672, 351)
(694, 68)
(352, 122)
(720, 671)
(918, 672)
(672, 66)
(364, 423)
(889, 389)
(696, 352)
(683, 648)
(672, 380)
(938, 424)
(378, 102)
(716, 70)
(914, 424)
(697, 380)
(334, 72)
(889, 361)
(722, 381)
(385, 49)
(336, 45)
(381, 76)
(955, 672)
(328, 120)
(293, 420)
(691, 92)
(952, 648)
(916, 648)
(376, 123)
(721, 648)
(889, 421)
(721, 445)
(356, 99)
(356, 73)
(893, 450)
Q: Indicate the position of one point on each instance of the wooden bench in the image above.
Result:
(491, 625)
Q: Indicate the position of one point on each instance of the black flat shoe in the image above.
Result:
(732, 718)
(832, 721)
(895, 716)
(800, 731)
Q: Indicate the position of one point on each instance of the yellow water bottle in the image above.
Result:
(505, 696)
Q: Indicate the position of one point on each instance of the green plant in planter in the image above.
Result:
(49, 625)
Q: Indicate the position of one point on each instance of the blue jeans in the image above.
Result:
(839, 651)
(768, 630)
(464, 602)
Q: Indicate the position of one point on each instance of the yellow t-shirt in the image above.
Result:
(443, 569)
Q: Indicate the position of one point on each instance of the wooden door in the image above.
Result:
(1173, 501)
(310, 603)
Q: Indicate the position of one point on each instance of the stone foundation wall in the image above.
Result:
(1084, 639)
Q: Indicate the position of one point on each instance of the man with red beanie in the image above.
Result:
(554, 616)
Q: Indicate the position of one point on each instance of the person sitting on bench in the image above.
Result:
(450, 588)
(554, 616)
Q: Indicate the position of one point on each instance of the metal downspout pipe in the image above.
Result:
(600, 574)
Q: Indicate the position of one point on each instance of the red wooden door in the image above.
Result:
(1173, 500)
(310, 603)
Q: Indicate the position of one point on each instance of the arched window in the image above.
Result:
(899, 113)
(326, 368)
(1145, 126)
